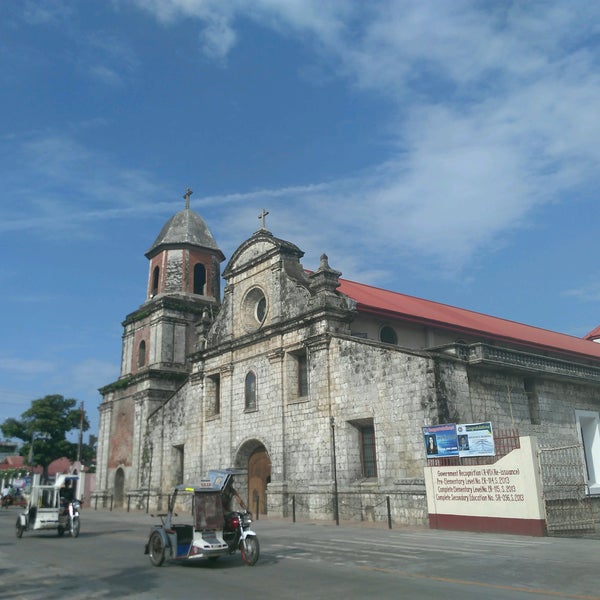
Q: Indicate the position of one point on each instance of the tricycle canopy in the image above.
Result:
(217, 480)
(207, 507)
(48, 496)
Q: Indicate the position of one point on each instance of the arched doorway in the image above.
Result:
(259, 475)
(119, 487)
(254, 456)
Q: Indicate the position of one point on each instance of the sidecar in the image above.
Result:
(43, 510)
(196, 531)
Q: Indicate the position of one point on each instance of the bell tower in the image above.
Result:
(183, 289)
(184, 258)
(183, 282)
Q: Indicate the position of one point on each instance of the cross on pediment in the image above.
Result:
(262, 217)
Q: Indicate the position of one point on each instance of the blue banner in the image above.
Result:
(440, 440)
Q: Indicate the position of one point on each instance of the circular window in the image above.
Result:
(254, 309)
(261, 309)
(387, 335)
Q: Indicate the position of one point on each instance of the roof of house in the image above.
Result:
(390, 304)
(12, 462)
(59, 465)
(594, 334)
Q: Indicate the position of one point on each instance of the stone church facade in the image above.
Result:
(317, 386)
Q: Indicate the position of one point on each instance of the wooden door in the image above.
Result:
(259, 475)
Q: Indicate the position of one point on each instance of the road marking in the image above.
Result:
(326, 549)
(495, 586)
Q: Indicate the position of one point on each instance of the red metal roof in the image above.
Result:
(12, 462)
(594, 334)
(394, 305)
(60, 465)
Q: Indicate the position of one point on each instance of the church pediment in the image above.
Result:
(267, 287)
(261, 247)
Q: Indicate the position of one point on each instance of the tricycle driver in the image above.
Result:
(229, 493)
(66, 497)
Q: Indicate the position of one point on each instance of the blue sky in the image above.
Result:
(447, 150)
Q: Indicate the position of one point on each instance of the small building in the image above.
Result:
(8, 448)
(319, 386)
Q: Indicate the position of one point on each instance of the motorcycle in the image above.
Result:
(7, 501)
(211, 534)
(44, 510)
(69, 522)
(237, 534)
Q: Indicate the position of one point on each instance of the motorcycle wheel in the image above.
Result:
(20, 528)
(250, 550)
(156, 549)
(75, 528)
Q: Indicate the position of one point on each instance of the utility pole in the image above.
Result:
(80, 441)
(336, 506)
(30, 457)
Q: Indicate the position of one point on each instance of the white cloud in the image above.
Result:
(105, 75)
(91, 372)
(107, 59)
(52, 162)
(495, 115)
(496, 110)
(217, 39)
(21, 366)
(51, 11)
(589, 292)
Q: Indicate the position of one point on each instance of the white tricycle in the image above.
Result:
(45, 510)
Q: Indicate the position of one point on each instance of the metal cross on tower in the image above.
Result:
(187, 195)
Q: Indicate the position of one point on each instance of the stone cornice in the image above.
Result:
(485, 354)
(125, 382)
(181, 303)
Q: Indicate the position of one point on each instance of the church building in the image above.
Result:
(316, 386)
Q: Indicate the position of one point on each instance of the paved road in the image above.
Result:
(299, 561)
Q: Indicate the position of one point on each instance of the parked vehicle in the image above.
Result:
(45, 510)
(205, 531)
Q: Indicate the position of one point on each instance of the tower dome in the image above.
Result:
(185, 228)
(184, 258)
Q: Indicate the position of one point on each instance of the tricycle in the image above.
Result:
(52, 506)
(209, 529)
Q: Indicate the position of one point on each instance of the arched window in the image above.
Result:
(214, 390)
(155, 275)
(142, 354)
(199, 278)
(250, 391)
(387, 335)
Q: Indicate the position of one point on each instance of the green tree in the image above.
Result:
(44, 427)
(88, 454)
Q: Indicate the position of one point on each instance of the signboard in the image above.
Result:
(505, 496)
(475, 439)
(440, 440)
(465, 439)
